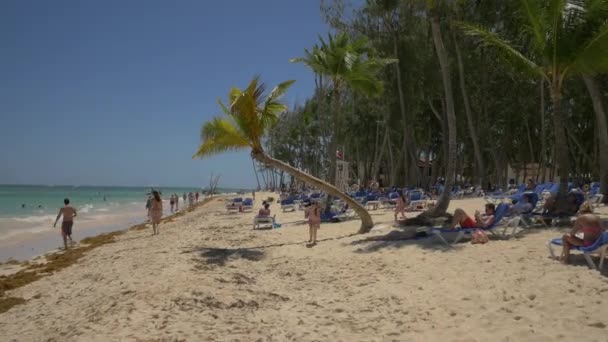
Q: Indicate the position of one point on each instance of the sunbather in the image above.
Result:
(564, 208)
(587, 229)
(264, 211)
(479, 221)
(522, 206)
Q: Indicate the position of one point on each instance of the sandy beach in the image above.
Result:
(209, 277)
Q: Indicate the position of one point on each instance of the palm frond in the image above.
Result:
(220, 135)
(508, 52)
(593, 56)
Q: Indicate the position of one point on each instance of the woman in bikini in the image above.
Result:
(313, 212)
(400, 207)
(587, 229)
(155, 211)
(462, 219)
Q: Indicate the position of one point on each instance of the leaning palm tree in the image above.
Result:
(250, 114)
(567, 38)
(349, 63)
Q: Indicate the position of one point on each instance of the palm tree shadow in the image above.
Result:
(402, 237)
(220, 256)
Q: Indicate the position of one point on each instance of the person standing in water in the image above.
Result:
(68, 213)
(156, 211)
(172, 202)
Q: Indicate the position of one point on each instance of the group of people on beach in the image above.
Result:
(312, 213)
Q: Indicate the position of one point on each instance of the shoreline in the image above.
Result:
(17, 273)
(25, 245)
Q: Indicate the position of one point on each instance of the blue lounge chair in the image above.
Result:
(501, 211)
(416, 199)
(288, 204)
(600, 246)
(247, 204)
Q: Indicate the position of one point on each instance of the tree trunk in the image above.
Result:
(561, 143)
(480, 170)
(257, 178)
(602, 131)
(366, 220)
(380, 155)
(444, 200)
(543, 153)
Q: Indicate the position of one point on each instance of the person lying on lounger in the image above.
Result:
(587, 229)
(479, 220)
(522, 206)
(564, 208)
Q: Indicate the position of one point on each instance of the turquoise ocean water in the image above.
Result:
(29, 208)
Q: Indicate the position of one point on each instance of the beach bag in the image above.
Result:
(479, 237)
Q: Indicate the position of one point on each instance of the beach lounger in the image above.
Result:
(417, 200)
(599, 247)
(372, 202)
(247, 204)
(288, 204)
(262, 221)
(461, 233)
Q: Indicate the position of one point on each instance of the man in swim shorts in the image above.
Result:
(68, 213)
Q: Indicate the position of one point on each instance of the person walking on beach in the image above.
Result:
(148, 204)
(196, 197)
(156, 211)
(68, 213)
(176, 202)
(184, 198)
(400, 207)
(313, 212)
(172, 202)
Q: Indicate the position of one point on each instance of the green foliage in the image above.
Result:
(248, 117)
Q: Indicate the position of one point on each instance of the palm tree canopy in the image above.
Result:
(249, 115)
(566, 36)
(346, 61)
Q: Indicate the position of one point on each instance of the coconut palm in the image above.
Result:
(567, 39)
(347, 63)
(249, 115)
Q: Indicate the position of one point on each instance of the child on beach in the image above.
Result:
(313, 212)
(400, 207)
(68, 221)
(156, 211)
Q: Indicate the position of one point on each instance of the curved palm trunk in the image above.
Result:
(256, 173)
(467, 109)
(366, 220)
(444, 200)
(602, 128)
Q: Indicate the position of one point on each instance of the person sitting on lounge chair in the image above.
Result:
(555, 208)
(587, 229)
(479, 221)
(522, 206)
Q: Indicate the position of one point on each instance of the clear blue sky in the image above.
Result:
(114, 92)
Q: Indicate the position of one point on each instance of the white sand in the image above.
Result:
(210, 277)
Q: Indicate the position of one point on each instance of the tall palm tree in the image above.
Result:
(346, 62)
(567, 38)
(249, 115)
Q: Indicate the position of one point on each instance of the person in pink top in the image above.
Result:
(313, 212)
(400, 207)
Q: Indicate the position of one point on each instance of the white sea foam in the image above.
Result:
(102, 209)
(85, 208)
(34, 219)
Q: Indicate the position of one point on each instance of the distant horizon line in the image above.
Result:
(118, 186)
